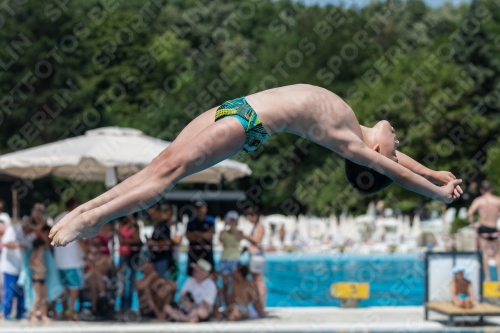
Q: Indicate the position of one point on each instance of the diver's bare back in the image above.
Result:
(488, 208)
(309, 111)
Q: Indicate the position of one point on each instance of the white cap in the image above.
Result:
(460, 268)
(232, 214)
(203, 266)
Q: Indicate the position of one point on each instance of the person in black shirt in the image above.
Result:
(200, 231)
(160, 243)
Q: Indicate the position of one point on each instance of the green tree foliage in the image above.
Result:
(155, 65)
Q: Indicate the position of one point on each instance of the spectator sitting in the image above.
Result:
(197, 295)
(154, 292)
(230, 239)
(38, 269)
(69, 262)
(243, 293)
(16, 239)
(462, 292)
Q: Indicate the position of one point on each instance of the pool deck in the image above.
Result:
(312, 319)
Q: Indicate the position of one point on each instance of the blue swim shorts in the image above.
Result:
(239, 108)
(72, 278)
(228, 266)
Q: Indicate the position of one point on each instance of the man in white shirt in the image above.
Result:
(69, 262)
(197, 295)
(15, 240)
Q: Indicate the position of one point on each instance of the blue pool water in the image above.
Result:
(305, 279)
(301, 280)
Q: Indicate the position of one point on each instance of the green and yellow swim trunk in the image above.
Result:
(239, 108)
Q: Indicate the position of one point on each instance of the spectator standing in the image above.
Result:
(230, 239)
(69, 262)
(282, 233)
(130, 246)
(98, 264)
(16, 239)
(488, 207)
(200, 232)
(38, 268)
(3, 215)
(160, 244)
(177, 231)
(257, 260)
(38, 217)
(197, 295)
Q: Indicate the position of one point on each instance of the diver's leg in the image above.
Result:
(187, 134)
(219, 141)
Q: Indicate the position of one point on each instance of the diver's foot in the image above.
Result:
(83, 226)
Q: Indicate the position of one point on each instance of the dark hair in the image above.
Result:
(71, 202)
(156, 206)
(243, 269)
(486, 186)
(253, 210)
(364, 179)
(45, 227)
(165, 207)
(37, 243)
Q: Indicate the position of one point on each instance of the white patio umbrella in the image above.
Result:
(106, 154)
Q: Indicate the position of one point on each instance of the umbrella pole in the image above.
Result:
(14, 205)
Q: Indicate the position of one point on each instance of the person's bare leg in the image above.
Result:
(187, 134)
(91, 282)
(43, 306)
(64, 300)
(261, 289)
(225, 287)
(486, 267)
(36, 302)
(166, 290)
(73, 296)
(216, 143)
(234, 314)
(178, 315)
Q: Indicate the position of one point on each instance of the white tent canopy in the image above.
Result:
(106, 154)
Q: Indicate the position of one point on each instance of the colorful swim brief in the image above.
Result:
(239, 108)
